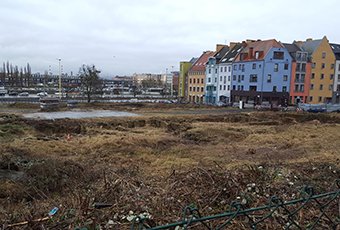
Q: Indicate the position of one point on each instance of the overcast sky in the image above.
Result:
(124, 37)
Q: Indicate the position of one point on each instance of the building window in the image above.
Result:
(278, 55)
(320, 99)
(221, 69)
(216, 70)
(321, 87)
(252, 88)
(225, 79)
(220, 78)
(225, 69)
(302, 88)
(238, 87)
(332, 66)
(242, 87)
(190, 81)
(253, 78)
(254, 65)
(215, 79)
(202, 81)
(224, 87)
(242, 78)
(313, 76)
(257, 55)
(311, 86)
(323, 65)
(284, 89)
(276, 67)
(228, 87)
(285, 77)
(228, 78)
(303, 67)
(274, 88)
(338, 77)
(239, 67)
(286, 66)
(202, 89)
(209, 79)
(234, 87)
(229, 69)
(330, 87)
(193, 89)
(234, 77)
(220, 87)
(332, 76)
(311, 98)
(235, 67)
(323, 55)
(190, 89)
(209, 71)
(269, 78)
(313, 65)
(322, 76)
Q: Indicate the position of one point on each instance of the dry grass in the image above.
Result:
(159, 164)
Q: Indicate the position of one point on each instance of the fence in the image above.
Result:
(323, 212)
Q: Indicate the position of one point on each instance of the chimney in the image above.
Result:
(251, 52)
(309, 39)
(232, 45)
(219, 47)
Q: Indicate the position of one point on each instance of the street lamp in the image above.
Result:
(60, 95)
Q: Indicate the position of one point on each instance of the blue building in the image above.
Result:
(262, 72)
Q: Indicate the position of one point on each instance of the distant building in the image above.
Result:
(184, 68)
(322, 76)
(261, 72)
(196, 78)
(336, 85)
(300, 75)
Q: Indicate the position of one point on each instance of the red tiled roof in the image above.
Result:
(199, 65)
(258, 46)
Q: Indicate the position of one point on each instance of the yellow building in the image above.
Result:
(184, 67)
(196, 78)
(322, 75)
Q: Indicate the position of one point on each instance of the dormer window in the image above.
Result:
(257, 55)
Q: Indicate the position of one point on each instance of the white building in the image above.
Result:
(218, 75)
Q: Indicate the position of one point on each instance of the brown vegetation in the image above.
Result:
(159, 165)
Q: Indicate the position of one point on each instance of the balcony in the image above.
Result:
(297, 80)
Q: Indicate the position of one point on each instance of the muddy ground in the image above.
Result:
(159, 164)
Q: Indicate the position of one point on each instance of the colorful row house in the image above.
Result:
(264, 71)
(196, 78)
(336, 86)
(322, 58)
(261, 72)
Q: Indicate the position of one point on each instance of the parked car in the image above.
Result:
(23, 94)
(13, 93)
(42, 94)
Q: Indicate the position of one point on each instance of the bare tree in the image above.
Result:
(91, 84)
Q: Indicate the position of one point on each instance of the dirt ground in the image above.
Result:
(159, 163)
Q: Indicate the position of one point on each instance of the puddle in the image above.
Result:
(78, 114)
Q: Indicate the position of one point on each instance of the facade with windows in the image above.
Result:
(214, 76)
(261, 72)
(196, 78)
(336, 84)
(322, 71)
(300, 75)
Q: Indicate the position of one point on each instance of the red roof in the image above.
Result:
(199, 65)
(262, 47)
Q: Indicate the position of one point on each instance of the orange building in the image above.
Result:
(196, 78)
(322, 73)
(300, 75)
